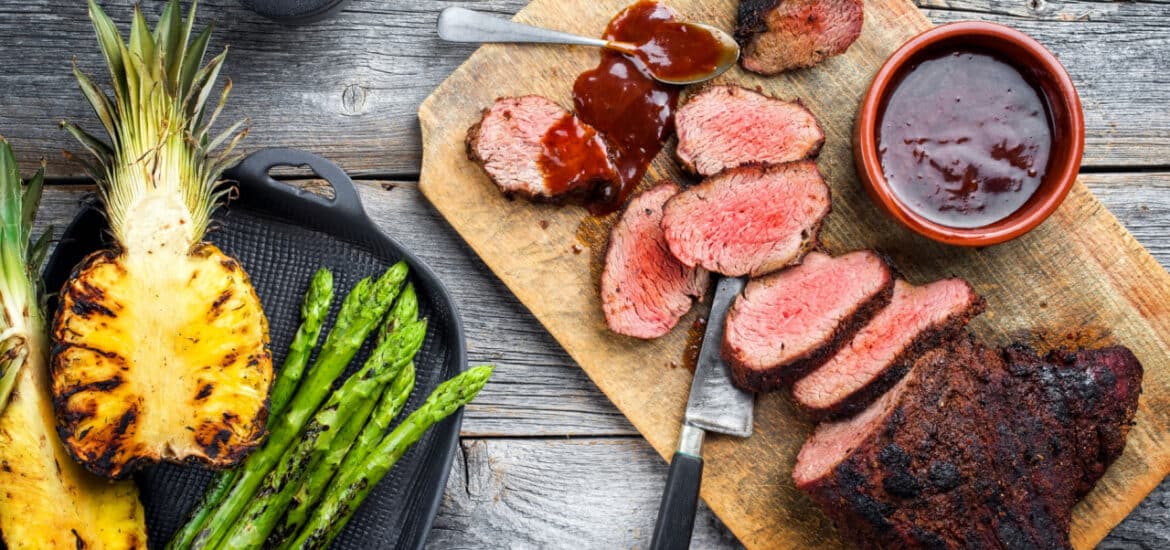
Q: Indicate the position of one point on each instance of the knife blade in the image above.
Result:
(715, 405)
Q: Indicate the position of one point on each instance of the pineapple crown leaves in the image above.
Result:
(158, 117)
(20, 259)
(20, 285)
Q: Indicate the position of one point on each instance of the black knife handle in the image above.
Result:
(676, 512)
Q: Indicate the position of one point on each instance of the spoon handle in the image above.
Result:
(464, 25)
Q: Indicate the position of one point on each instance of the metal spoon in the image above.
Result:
(464, 25)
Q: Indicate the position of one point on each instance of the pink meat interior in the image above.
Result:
(833, 441)
(644, 289)
(911, 311)
(510, 141)
(784, 316)
(749, 220)
(726, 126)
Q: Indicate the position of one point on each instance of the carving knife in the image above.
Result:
(715, 405)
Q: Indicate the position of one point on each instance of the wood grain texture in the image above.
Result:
(539, 391)
(348, 87)
(544, 494)
(511, 493)
(1080, 279)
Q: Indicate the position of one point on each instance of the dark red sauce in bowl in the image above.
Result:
(964, 138)
(987, 168)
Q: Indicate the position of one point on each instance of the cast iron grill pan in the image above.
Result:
(281, 235)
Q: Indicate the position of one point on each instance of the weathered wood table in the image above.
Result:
(546, 461)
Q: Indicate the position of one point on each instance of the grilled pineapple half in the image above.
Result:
(160, 344)
(48, 500)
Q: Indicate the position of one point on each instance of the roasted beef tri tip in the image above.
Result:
(975, 448)
(644, 289)
(723, 127)
(749, 220)
(533, 148)
(917, 319)
(788, 323)
(779, 35)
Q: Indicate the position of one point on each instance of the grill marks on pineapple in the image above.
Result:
(35, 469)
(184, 348)
(90, 300)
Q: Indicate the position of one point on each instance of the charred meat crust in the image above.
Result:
(780, 376)
(983, 449)
(925, 341)
(752, 19)
(781, 35)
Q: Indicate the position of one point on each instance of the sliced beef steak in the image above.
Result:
(917, 319)
(727, 126)
(778, 35)
(975, 448)
(788, 323)
(644, 289)
(748, 220)
(534, 148)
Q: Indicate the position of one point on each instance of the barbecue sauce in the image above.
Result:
(573, 156)
(622, 101)
(674, 50)
(964, 139)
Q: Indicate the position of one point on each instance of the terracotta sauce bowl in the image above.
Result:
(1038, 65)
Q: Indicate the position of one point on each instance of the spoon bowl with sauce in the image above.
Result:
(679, 53)
(971, 134)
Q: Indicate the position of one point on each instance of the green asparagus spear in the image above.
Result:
(309, 493)
(313, 310)
(360, 313)
(331, 425)
(349, 489)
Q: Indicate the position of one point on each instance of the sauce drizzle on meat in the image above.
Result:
(572, 156)
(622, 101)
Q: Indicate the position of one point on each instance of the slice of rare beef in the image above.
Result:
(749, 220)
(644, 289)
(917, 319)
(727, 126)
(778, 35)
(534, 148)
(974, 448)
(788, 323)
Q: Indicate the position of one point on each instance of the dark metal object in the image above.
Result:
(295, 12)
(715, 405)
(281, 235)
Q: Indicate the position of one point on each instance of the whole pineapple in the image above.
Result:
(160, 344)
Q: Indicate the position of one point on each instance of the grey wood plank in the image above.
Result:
(1116, 54)
(547, 494)
(603, 493)
(348, 87)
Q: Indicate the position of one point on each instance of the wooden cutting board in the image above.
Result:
(1079, 279)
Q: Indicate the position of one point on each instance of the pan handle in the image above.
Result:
(260, 188)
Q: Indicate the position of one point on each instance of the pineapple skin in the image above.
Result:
(47, 500)
(160, 357)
